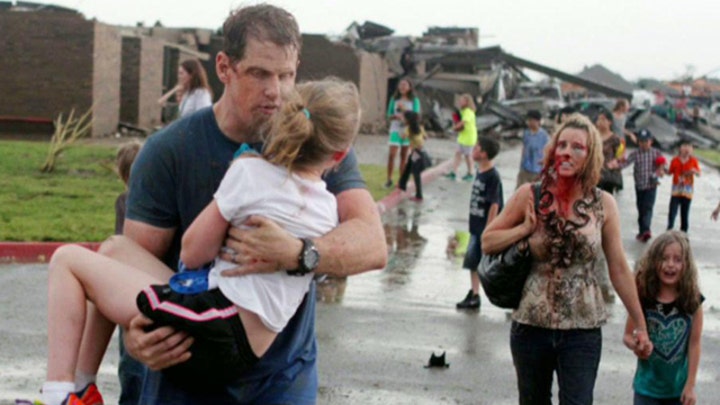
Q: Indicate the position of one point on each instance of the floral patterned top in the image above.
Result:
(563, 288)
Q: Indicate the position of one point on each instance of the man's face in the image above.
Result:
(256, 84)
(645, 144)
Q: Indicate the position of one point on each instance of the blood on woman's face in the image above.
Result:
(571, 152)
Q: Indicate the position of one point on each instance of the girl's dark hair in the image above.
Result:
(646, 273)
(198, 76)
(317, 120)
(410, 94)
(413, 121)
(608, 115)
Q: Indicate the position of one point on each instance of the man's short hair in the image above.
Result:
(262, 22)
(490, 146)
(534, 115)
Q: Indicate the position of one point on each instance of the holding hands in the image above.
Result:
(642, 346)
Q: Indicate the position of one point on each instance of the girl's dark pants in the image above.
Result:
(416, 169)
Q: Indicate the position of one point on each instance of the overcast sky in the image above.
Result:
(635, 38)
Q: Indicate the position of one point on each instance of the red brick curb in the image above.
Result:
(40, 252)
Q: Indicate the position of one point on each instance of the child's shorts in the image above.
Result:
(465, 150)
(397, 140)
(473, 253)
(221, 349)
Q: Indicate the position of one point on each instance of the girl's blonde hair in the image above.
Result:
(590, 172)
(318, 119)
(646, 272)
(125, 157)
(469, 98)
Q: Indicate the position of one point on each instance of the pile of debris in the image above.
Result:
(447, 61)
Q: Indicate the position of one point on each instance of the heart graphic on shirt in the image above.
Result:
(670, 334)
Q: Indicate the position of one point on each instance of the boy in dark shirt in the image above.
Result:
(486, 201)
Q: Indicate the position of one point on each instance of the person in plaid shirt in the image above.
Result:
(648, 165)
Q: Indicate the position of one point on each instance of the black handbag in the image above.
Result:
(503, 275)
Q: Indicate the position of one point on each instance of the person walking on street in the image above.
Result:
(556, 328)
(648, 165)
(233, 320)
(684, 168)
(534, 139)
(174, 179)
(486, 201)
(667, 283)
(467, 137)
(417, 162)
(610, 179)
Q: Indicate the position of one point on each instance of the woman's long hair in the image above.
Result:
(198, 76)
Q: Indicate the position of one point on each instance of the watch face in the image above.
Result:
(311, 259)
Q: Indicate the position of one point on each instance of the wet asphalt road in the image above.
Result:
(376, 336)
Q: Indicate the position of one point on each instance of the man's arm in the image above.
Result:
(162, 347)
(356, 245)
(153, 239)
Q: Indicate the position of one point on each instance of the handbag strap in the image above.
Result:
(536, 194)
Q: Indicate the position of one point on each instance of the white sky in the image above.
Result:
(635, 38)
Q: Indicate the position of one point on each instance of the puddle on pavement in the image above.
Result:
(409, 236)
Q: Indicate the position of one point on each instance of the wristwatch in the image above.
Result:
(308, 260)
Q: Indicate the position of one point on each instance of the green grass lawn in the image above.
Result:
(76, 202)
(711, 156)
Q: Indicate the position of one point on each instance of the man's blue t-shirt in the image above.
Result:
(533, 150)
(172, 180)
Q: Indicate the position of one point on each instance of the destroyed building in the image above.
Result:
(54, 60)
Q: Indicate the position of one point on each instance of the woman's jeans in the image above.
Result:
(538, 353)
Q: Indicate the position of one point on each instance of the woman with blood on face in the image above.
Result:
(557, 325)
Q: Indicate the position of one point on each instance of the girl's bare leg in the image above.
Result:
(76, 275)
(469, 163)
(456, 162)
(98, 329)
(392, 153)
